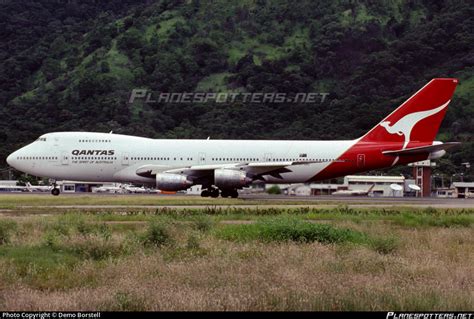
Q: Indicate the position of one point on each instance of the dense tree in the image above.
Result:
(72, 67)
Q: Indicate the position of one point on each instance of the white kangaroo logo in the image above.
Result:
(405, 125)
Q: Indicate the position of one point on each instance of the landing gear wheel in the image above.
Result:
(55, 191)
(215, 193)
(229, 193)
(225, 193)
(205, 193)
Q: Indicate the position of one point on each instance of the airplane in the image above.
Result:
(135, 189)
(38, 188)
(353, 192)
(108, 189)
(222, 167)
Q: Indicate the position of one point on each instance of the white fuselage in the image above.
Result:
(85, 156)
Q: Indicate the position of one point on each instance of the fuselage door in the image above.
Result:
(360, 160)
(202, 158)
(267, 157)
(65, 158)
(125, 159)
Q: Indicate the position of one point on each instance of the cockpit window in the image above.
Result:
(42, 139)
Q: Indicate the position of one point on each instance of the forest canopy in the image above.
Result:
(72, 65)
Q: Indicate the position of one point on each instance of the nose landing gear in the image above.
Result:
(55, 191)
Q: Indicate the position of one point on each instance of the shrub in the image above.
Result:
(95, 247)
(431, 211)
(51, 240)
(274, 190)
(383, 245)
(6, 229)
(157, 235)
(283, 229)
(67, 223)
(345, 210)
(125, 301)
(85, 228)
(290, 229)
(104, 231)
(192, 242)
(132, 242)
(425, 220)
(203, 223)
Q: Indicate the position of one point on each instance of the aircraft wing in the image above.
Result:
(260, 169)
(422, 149)
(256, 169)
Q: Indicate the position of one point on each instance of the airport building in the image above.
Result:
(64, 186)
(463, 190)
(444, 192)
(11, 186)
(81, 187)
(376, 186)
(353, 185)
(422, 175)
(362, 185)
(326, 189)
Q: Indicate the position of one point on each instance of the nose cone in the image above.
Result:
(11, 159)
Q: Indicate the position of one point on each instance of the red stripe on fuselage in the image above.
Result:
(366, 156)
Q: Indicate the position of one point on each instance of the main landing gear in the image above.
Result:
(214, 192)
(55, 191)
(229, 193)
(210, 192)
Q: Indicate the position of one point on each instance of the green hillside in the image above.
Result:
(74, 67)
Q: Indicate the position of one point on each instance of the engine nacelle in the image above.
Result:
(437, 154)
(172, 182)
(230, 179)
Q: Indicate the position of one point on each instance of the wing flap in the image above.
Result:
(283, 164)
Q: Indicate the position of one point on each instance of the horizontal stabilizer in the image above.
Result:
(422, 149)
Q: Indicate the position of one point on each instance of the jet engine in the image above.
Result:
(230, 179)
(172, 182)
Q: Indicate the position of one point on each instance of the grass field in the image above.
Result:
(238, 259)
(11, 201)
(14, 201)
(8, 201)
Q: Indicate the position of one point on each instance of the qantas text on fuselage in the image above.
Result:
(93, 152)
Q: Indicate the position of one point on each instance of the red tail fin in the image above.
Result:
(418, 118)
